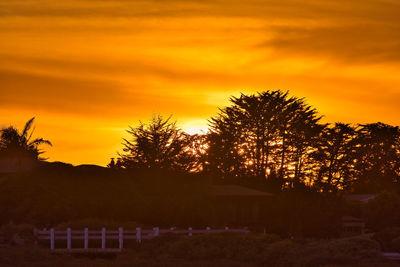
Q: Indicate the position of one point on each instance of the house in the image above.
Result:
(236, 205)
(352, 225)
(358, 198)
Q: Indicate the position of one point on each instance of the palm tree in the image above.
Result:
(14, 143)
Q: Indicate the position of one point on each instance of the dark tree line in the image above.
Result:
(267, 140)
(272, 140)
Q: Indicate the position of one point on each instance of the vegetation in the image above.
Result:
(262, 135)
(389, 239)
(269, 141)
(273, 141)
(15, 143)
(218, 250)
(56, 193)
(160, 145)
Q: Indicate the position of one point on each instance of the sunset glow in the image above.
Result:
(88, 69)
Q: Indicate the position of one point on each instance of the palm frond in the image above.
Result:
(40, 141)
(30, 136)
(27, 127)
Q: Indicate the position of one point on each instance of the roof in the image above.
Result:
(351, 219)
(358, 198)
(236, 190)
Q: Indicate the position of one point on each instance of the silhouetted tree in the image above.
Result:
(159, 145)
(334, 157)
(377, 164)
(263, 133)
(302, 133)
(15, 143)
(112, 164)
(225, 158)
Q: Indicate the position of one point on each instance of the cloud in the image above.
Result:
(89, 97)
(114, 62)
(354, 44)
(57, 93)
(338, 30)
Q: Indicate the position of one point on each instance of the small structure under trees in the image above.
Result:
(238, 205)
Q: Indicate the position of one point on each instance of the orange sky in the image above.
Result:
(87, 69)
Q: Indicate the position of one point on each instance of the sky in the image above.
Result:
(87, 69)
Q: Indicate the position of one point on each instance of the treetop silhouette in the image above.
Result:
(159, 144)
(15, 143)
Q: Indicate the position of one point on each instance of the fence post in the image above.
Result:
(156, 231)
(190, 231)
(121, 237)
(208, 229)
(138, 235)
(52, 238)
(35, 233)
(226, 228)
(86, 236)
(103, 238)
(69, 238)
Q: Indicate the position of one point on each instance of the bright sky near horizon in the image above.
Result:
(87, 69)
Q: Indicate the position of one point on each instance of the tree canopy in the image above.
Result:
(274, 139)
(159, 144)
(15, 143)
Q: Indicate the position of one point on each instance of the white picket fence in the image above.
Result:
(121, 234)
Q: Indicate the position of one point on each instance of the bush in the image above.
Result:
(396, 244)
(383, 211)
(389, 239)
(316, 253)
(95, 224)
(215, 246)
(11, 232)
(264, 250)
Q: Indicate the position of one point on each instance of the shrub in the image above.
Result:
(396, 244)
(383, 211)
(317, 253)
(94, 223)
(214, 246)
(268, 250)
(389, 239)
(11, 231)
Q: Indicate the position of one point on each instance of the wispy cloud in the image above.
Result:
(114, 62)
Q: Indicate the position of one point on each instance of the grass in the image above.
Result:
(215, 250)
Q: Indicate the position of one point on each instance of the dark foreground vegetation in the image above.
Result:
(217, 250)
(57, 194)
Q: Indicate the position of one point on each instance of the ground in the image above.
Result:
(214, 250)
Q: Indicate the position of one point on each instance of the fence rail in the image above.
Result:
(121, 234)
